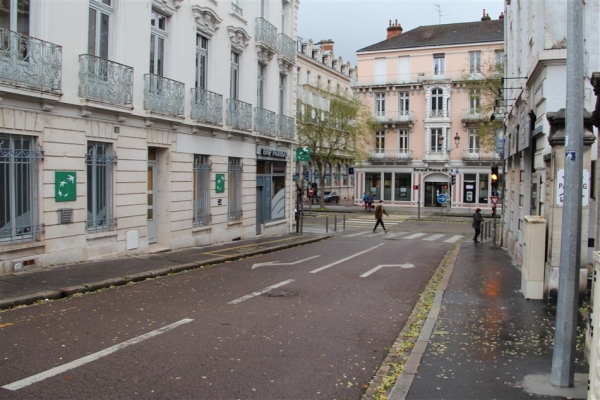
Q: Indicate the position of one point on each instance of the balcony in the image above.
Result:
(163, 95)
(477, 155)
(30, 62)
(105, 81)
(265, 122)
(239, 115)
(266, 40)
(206, 106)
(471, 115)
(389, 155)
(287, 127)
(410, 78)
(237, 9)
(286, 47)
(395, 117)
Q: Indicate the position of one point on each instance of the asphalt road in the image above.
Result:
(311, 322)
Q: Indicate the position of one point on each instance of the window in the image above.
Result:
(483, 188)
(158, 35)
(345, 175)
(319, 81)
(260, 87)
(475, 62)
(402, 187)
(100, 165)
(336, 175)
(235, 188)
(201, 61)
(235, 76)
(499, 56)
(473, 141)
(437, 106)
(98, 29)
(281, 93)
(14, 15)
(380, 104)
(403, 103)
(298, 75)
(474, 101)
(18, 179)
(439, 65)
(329, 85)
(380, 70)
(380, 142)
(327, 174)
(337, 89)
(403, 141)
(202, 167)
(437, 140)
(308, 77)
(404, 69)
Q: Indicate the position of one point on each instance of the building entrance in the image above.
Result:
(432, 189)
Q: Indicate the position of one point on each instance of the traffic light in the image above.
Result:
(453, 179)
(445, 187)
(494, 176)
(415, 187)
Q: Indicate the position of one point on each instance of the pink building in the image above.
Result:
(414, 83)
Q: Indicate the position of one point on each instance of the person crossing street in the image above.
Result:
(379, 211)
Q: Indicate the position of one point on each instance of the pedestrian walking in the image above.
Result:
(365, 200)
(369, 201)
(477, 218)
(379, 211)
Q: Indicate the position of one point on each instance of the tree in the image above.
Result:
(336, 129)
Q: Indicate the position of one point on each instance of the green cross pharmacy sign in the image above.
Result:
(65, 186)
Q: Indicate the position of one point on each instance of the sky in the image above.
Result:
(354, 24)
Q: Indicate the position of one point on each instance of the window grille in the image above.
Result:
(100, 166)
(202, 168)
(235, 188)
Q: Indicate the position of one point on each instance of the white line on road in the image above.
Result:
(453, 239)
(377, 268)
(251, 295)
(434, 237)
(92, 357)
(414, 236)
(282, 263)
(358, 234)
(344, 259)
(395, 234)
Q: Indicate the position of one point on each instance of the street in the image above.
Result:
(308, 322)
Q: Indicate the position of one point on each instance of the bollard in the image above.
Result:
(327, 224)
(335, 223)
(343, 222)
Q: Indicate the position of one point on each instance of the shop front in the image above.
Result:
(271, 199)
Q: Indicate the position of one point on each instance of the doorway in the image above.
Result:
(151, 195)
(432, 190)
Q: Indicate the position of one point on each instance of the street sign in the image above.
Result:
(303, 154)
(310, 192)
(441, 198)
(494, 200)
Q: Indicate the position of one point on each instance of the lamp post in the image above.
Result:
(448, 151)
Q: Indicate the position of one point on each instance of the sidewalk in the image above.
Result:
(483, 340)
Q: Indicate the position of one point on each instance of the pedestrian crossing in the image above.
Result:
(446, 238)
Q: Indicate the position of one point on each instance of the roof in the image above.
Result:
(444, 35)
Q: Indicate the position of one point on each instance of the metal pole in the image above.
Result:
(563, 357)
(344, 222)
(327, 224)
(335, 223)
(449, 191)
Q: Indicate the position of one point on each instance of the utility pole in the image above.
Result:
(563, 357)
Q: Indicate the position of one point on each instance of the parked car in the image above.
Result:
(331, 196)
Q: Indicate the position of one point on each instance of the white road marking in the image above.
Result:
(453, 239)
(394, 234)
(280, 263)
(414, 236)
(376, 234)
(92, 357)
(251, 295)
(344, 259)
(377, 268)
(434, 237)
(358, 234)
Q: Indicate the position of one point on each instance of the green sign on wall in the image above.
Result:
(220, 183)
(65, 186)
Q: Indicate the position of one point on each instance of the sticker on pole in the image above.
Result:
(494, 200)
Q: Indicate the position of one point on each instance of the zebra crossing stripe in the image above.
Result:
(453, 239)
(433, 237)
(416, 235)
(395, 234)
(358, 234)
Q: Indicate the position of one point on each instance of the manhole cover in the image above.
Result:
(281, 293)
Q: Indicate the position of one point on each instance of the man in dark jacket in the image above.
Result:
(379, 211)
(477, 218)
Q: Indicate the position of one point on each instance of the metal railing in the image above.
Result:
(471, 114)
(31, 62)
(436, 113)
(287, 127)
(476, 155)
(266, 33)
(105, 81)
(286, 47)
(414, 77)
(206, 106)
(395, 116)
(163, 95)
(265, 121)
(239, 114)
(390, 155)
(237, 9)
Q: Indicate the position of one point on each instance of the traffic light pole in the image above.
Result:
(448, 200)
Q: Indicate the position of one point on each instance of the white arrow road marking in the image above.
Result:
(453, 239)
(251, 295)
(344, 259)
(434, 237)
(377, 268)
(92, 357)
(280, 263)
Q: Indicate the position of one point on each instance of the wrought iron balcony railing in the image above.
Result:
(436, 113)
(163, 95)
(265, 121)
(471, 114)
(395, 116)
(105, 81)
(239, 114)
(477, 155)
(207, 106)
(390, 155)
(286, 47)
(30, 62)
(287, 127)
(266, 33)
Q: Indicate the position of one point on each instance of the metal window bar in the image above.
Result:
(105, 81)
(100, 164)
(202, 168)
(31, 62)
(265, 121)
(207, 106)
(266, 33)
(19, 178)
(235, 188)
(239, 114)
(163, 95)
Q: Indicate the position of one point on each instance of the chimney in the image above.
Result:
(501, 15)
(394, 29)
(327, 45)
(486, 17)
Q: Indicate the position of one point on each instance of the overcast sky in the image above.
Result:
(354, 24)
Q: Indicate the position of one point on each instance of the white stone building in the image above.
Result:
(134, 126)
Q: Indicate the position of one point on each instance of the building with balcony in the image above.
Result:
(131, 127)
(321, 76)
(415, 83)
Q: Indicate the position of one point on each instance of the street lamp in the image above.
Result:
(456, 141)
